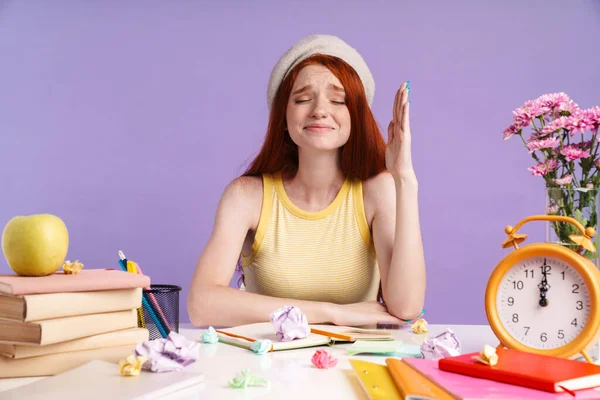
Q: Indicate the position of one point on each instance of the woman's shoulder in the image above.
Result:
(244, 188)
(376, 190)
(243, 197)
(377, 185)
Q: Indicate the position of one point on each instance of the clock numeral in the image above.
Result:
(563, 274)
(574, 322)
(543, 337)
(579, 305)
(561, 334)
(546, 269)
(526, 330)
(511, 301)
(515, 317)
(518, 285)
(575, 288)
(528, 272)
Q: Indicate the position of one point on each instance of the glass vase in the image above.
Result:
(582, 205)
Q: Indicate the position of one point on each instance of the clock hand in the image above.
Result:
(544, 287)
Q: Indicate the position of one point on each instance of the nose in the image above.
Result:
(320, 109)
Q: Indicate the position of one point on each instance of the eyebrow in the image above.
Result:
(307, 87)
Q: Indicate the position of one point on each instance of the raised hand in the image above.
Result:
(398, 159)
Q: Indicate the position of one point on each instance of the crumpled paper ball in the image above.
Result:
(443, 345)
(420, 326)
(245, 378)
(72, 268)
(210, 336)
(289, 323)
(323, 360)
(488, 356)
(131, 366)
(170, 354)
(261, 346)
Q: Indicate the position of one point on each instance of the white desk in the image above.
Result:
(291, 373)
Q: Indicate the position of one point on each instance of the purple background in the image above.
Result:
(128, 118)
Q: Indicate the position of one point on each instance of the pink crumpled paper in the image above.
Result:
(443, 345)
(289, 323)
(323, 360)
(170, 354)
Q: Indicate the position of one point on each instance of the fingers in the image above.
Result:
(400, 110)
(390, 319)
(396, 109)
(391, 132)
(403, 107)
(405, 116)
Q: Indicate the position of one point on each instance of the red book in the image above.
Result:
(550, 374)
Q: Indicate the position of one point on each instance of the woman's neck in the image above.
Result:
(317, 182)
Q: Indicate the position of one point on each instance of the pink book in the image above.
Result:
(87, 280)
(466, 387)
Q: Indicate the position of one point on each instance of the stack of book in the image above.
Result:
(54, 323)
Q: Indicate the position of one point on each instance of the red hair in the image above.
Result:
(363, 156)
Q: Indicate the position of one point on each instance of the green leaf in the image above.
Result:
(578, 215)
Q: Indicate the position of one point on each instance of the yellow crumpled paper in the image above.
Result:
(488, 356)
(420, 326)
(72, 268)
(132, 365)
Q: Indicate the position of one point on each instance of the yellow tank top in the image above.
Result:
(321, 256)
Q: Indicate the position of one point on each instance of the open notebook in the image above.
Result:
(100, 380)
(320, 335)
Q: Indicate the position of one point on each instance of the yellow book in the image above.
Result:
(50, 331)
(53, 364)
(110, 339)
(37, 307)
(376, 380)
(396, 381)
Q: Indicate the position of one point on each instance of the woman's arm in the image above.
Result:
(212, 302)
(396, 227)
(397, 240)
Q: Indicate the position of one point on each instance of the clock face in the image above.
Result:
(543, 302)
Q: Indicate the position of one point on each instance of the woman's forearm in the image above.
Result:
(225, 306)
(404, 290)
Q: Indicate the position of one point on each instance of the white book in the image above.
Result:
(100, 380)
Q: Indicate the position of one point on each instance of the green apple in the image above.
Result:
(35, 245)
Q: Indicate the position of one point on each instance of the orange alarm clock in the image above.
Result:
(544, 298)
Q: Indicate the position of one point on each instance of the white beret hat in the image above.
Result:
(320, 44)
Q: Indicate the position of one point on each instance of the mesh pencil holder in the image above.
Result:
(160, 310)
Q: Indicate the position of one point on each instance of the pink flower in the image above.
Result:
(552, 100)
(323, 360)
(592, 117)
(547, 143)
(512, 130)
(558, 123)
(566, 108)
(573, 152)
(597, 162)
(581, 121)
(524, 114)
(542, 168)
(565, 180)
(553, 209)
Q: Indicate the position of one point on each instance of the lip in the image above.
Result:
(318, 128)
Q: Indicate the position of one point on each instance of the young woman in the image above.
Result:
(326, 217)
